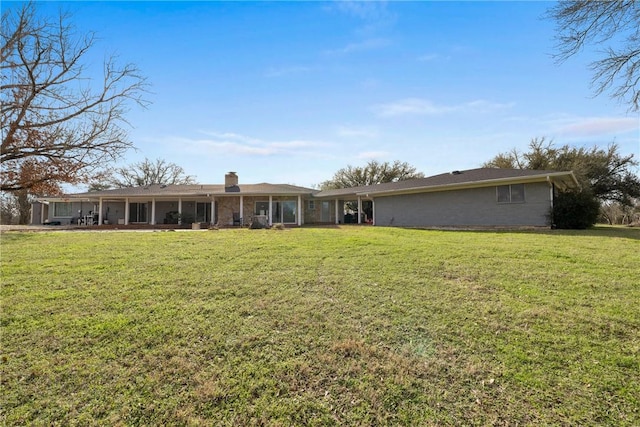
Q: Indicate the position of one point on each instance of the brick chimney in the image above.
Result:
(231, 179)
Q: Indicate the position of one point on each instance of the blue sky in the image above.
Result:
(290, 92)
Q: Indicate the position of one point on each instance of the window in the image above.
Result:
(312, 205)
(513, 193)
(262, 208)
(517, 193)
(61, 209)
(504, 194)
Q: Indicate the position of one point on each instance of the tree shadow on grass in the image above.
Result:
(599, 231)
(14, 236)
(623, 232)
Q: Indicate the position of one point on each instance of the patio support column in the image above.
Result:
(373, 208)
(299, 210)
(100, 211)
(241, 210)
(270, 216)
(126, 211)
(42, 218)
(179, 210)
(337, 211)
(551, 193)
(212, 220)
(359, 210)
(153, 211)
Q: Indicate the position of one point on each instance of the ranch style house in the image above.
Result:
(484, 197)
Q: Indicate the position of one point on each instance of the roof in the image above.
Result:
(197, 190)
(457, 180)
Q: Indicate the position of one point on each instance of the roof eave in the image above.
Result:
(211, 194)
(470, 184)
(570, 182)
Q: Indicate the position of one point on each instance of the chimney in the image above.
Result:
(231, 180)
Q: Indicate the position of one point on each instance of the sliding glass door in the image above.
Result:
(203, 212)
(283, 211)
(138, 212)
(288, 212)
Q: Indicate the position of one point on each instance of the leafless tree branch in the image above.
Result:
(603, 24)
(53, 114)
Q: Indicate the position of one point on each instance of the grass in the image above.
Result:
(326, 326)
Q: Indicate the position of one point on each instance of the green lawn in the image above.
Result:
(321, 326)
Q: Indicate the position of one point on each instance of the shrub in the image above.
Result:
(575, 210)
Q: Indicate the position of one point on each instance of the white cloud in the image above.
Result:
(370, 83)
(373, 155)
(374, 19)
(594, 126)
(375, 15)
(433, 57)
(363, 9)
(237, 144)
(440, 57)
(360, 46)
(292, 145)
(428, 57)
(232, 136)
(418, 106)
(410, 106)
(357, 132)
(484, 106)
(285, 71)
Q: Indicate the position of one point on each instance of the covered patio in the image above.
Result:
(223, 206)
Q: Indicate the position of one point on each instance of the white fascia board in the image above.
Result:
(564, 181)
(47, 200)
(184, 196)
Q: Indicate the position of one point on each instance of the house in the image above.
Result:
(484, 197)
(470, 198)
(228, 204)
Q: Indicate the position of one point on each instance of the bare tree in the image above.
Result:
(373, 173)
(149, 172)
(614, 27)
(58, 125)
